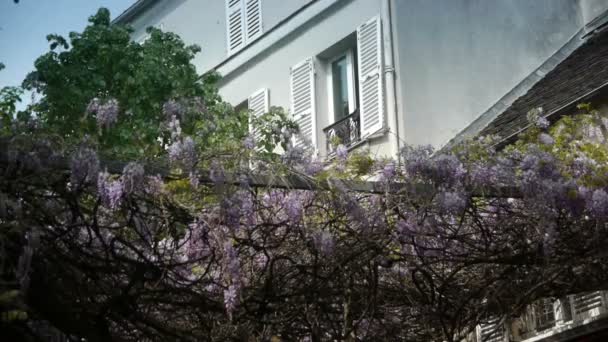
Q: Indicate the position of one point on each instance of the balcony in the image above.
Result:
(547, 318)
(346, 131)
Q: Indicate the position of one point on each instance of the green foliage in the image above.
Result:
(274, 129)
(103, 62)
(583, 136)
(360, 164)
(9, 96)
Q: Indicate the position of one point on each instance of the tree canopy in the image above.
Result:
(101, 77)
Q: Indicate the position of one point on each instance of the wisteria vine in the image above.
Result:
(454, 239)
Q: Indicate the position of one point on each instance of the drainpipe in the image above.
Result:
(389, 77)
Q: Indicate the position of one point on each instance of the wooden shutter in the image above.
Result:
(253, 19)
(258, 104)
(369, 58)
(235, 25)
(302, 82)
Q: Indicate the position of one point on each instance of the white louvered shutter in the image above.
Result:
(253, 19)
(258, 104)
(302, 82)
(369, 57)
(235, 24)
(492, 331)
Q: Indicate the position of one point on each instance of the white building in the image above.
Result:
(381, 73)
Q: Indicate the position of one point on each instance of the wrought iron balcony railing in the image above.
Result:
(346, 131)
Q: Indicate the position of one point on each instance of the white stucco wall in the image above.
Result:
(590, 9)
(203, 22)
(453, 58)
(456, 58)
(270, 68)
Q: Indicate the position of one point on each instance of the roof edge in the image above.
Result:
(487, 117)
(133, 11)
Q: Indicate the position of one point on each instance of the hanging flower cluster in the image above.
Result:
(439, 243)
(105, 111)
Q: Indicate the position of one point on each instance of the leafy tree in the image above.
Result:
(101, 75)
(9, 96)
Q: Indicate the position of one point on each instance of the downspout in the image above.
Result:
(389, 76)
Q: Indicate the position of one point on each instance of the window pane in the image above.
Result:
(340, 88)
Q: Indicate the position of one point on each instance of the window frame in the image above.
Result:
(350, 80)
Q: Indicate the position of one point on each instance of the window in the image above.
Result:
(545, 314)
(353, 71)
(243, 23)
(342, 86)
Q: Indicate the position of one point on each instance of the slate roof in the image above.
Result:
(578, 78)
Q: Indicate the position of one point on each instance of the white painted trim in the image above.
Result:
(350, 80)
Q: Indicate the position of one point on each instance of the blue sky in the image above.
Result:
(24, 26)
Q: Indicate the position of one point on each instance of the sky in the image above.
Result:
(24, 27)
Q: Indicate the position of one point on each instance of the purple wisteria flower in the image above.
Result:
(232, 263)
(599, 203)
(173, 108)
(132, 178)
(110, 191)
(175, 128)
(582, 166)
(155, 185)
(198, 243)
(541, 163)
(231, 299)
(452, 202)
(248, 209)
(231, 209)
(483, 175)
(313, 167)
(84, 166)
(106, 111)
(183, 152)
(189, 155)
(444, 169)
(293, 207)
(406, 228)
(389, 171)
(249, 142)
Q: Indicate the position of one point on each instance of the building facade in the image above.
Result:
(378, 74)
(374, 73)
